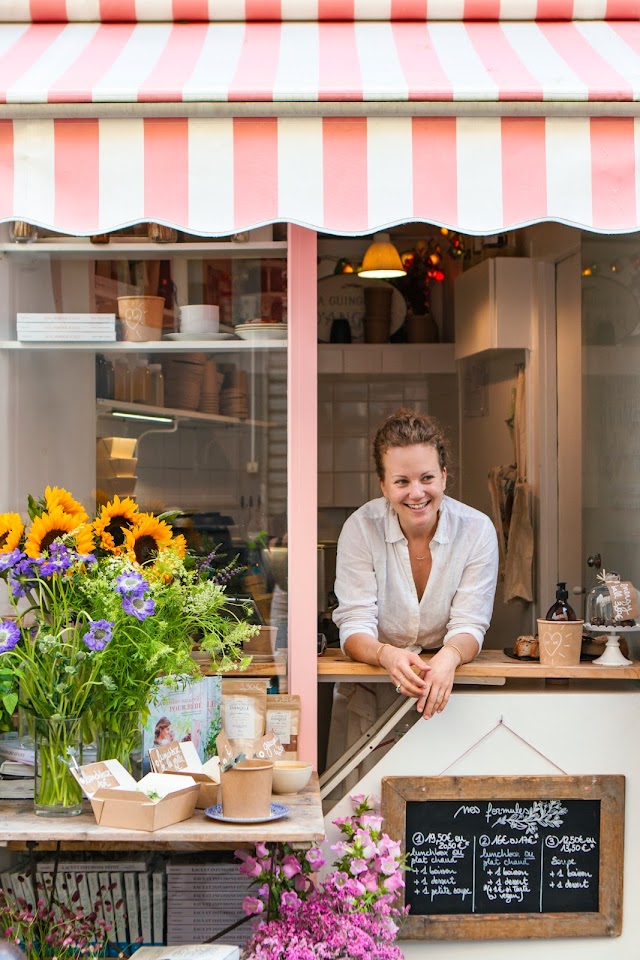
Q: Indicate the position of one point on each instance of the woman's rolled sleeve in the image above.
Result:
(472, 603)
(355, 586)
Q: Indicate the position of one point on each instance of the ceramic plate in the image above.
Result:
(262, 331)
(278, 810)
(342, 295)
(199, 336)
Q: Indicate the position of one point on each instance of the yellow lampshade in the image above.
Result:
(382, 260)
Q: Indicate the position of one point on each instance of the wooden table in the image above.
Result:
(333, 665)
(302, 827)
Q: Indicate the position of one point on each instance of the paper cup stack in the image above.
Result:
(199, 318)
(210, 392)
(234, 396)
(183, 376)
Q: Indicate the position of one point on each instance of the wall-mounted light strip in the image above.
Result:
(141, 416)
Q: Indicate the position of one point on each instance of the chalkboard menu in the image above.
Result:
(523, 856)
(503, 856)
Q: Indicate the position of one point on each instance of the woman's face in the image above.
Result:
(165, 735)
(414, 485)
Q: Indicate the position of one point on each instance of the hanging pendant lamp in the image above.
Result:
(382, 260)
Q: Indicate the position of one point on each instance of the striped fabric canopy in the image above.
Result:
(274, 10)
(313, 62)
(215, 175)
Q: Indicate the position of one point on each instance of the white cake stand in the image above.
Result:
(613, 655)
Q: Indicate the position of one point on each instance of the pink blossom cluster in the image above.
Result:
(351, 913)
(47, 927)
(326, 926)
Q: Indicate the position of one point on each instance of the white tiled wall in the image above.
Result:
(350, 409)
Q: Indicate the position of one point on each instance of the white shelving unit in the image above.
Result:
(79, 248)
(113, 407)
(147, 346)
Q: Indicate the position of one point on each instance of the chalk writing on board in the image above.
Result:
(503, 856)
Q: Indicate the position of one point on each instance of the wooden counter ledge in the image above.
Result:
(303, 827)
(333, 664)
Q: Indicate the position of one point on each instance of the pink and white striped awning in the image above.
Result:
(280, 10)
(311, 62)
(215, 175)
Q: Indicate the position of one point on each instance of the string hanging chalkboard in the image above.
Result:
(506, 857)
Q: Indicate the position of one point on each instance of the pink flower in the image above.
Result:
(301, 883)
(388, 865)
(252, 906)
(315, 858)
(262, 850)
(290, 866)
(372, 821)
(358, 865)
(290, 899)
(340, 879)
(357, 799)
(251, 868)
(370, 881)
(393, 883)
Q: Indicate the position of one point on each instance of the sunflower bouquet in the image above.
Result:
(102, 608)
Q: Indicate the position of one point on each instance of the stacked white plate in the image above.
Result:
(260, 330)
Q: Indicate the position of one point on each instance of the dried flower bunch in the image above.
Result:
(351, 913)
(45, 924)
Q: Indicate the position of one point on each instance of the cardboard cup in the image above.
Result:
(246, 789)
(560, 642)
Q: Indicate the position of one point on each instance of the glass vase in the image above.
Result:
(120, 738)
(57, 792)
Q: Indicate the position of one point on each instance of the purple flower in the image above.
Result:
(131, 584)
(9, 635)
(58, 559)
(139, 607)
(99, 635)
(8, 560)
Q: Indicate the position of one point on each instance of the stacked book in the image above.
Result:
(16, 780)
(204, 899)
(66, 327)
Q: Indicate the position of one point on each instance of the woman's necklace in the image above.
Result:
(419, 558)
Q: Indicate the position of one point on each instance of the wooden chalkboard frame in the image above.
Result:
(609, 790)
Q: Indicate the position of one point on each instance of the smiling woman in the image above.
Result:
(415, 569)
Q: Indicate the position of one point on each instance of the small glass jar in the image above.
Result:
(158, 233)
(156, 385)
(612, 603)
(141, 383)
(22, 232)
(122, 380)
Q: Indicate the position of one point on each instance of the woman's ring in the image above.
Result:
(399, 688)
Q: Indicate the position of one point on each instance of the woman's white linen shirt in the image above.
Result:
(375, 587)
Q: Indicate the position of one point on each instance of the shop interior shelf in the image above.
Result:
(137, 249)
(146, 346)
(112, 407)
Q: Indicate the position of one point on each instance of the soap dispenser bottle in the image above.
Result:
(561, 609)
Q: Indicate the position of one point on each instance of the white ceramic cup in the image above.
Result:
(199, 318)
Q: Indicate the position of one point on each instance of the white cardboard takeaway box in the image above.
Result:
(182, 759)
(156, 801)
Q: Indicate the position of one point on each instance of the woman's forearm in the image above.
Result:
(364, 648)
(464, 646)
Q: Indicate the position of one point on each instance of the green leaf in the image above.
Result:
(10, 702)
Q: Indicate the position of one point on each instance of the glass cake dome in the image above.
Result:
(612, 603)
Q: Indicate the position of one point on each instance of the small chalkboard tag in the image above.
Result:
(532, 856)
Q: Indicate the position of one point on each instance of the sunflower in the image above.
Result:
(11, 530)
(59, 497)
(112, 523)
(54, 525)
(146, 538)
